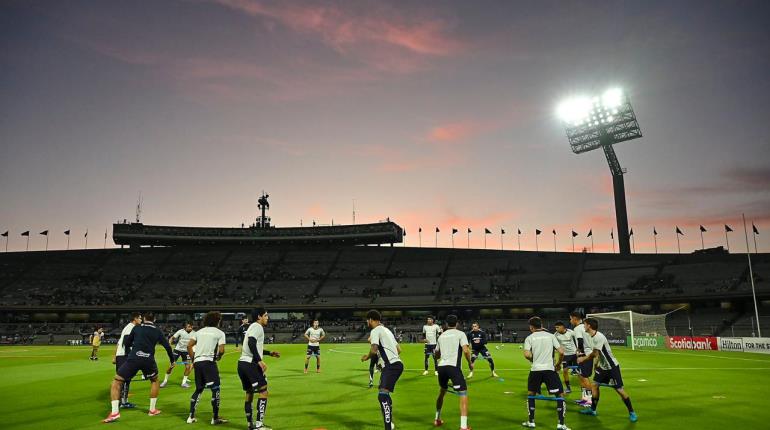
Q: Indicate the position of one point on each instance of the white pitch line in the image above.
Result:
(30, 356)
(707, 356)
(347, 352)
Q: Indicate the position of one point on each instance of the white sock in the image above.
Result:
(115, 406)
(165, 378)
(153, 402)
(184, 380)
(438, 414)
(463, 422)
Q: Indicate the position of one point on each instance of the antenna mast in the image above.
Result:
(139, 208)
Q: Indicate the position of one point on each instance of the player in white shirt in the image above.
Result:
(452, 345)
(583, 348)
(431, 331)
(538, 348)
(314, 336)
(385, 348)
(607, 370)
(568, 341)
(181, 338)
(119, 357)
(252, 370)
(206, 347)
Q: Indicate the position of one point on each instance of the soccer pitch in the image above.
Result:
(59, 388)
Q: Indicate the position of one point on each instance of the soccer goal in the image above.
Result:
(633, 329)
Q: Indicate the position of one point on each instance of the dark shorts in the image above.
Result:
(569, 361)
(131, 366)
(183, 354)
(206, 374)
(251, 376)
(609, 376)
(586, 368)
(119, 360)
(548, 377)
(389, 376)
(483, 351)
(447, 373)
(429, 349)
(313, 350)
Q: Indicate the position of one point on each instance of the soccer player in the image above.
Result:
(314, 336)
(119, 357)
(205, 348)
(452, 345)
(431, 331)
(568, 341)
(583, 348)
(478, 341)
(181, 338)
(384, 345)
(241, 333)
(538, 348)
(140, 346)
(96, 341)
(252, 370)
(607, 370)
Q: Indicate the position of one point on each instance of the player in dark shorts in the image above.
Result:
(140, 346)
(583, 348)
(119, 357)
(478, 341)
(241, 333)
(538, 348)
(251, 369)
(384, 345)
(451, 347)
(205, 348)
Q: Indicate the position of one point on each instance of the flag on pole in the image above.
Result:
(437, 230)
(44, 232)
(574, 234)
(454, 230)
(612, 234)
(678, 231)
(590, 233)
(86, 235)
(537, 232)
(631, 233)
(519, 231)
(502, 231)
(753, 227)
(655, 232)
(67, 233)
(469, 230)
(486, 231)
(26, 233)
(5, 234)
(419, 230)
(105, 234)
(728, 229)
(554, 232)
(703, 229)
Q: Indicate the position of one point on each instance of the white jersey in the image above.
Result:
(541, 344)
(606, 359)
(257, 332)
(315, 335)
(386, 344)
(451, 344)
(568, 341)
(121, 351)
(207, 341)
(580, 333)
(182, 339)
(431, 333)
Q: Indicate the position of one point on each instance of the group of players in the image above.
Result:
(578, 350)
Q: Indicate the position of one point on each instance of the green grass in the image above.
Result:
(59, 388)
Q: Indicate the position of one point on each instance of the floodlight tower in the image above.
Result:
(600, 122)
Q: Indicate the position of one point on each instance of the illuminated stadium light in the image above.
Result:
(600, 121)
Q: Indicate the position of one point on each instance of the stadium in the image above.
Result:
(451, 127)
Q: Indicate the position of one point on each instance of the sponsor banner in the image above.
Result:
(647, 342)
(756, 344)
(692, 342)
(617, 341)
(730, 343)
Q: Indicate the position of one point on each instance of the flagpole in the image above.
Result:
(573, 243)
(27, 242)
(751, 275)
(755, 236)
(592, 243)
(485, 239)
(46, 242)
(105, 238)
(554, 243)
(702, 245)
(501, 241)
(437, 239)
(537, 248)
(419, 233)
(655, 238)
(678, 247)
(468, 245)
(518, 235)
(86, 240)
(613, 241)
(727, 241)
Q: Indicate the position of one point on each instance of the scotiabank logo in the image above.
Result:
(697, 343)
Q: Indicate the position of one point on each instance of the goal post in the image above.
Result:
(639, 331)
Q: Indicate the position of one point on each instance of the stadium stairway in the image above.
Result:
(442, 285)
(325, 277)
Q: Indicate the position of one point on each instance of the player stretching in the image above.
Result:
(96, 341)
(478, 341)
(567, 340)
(384, 344)
(538, 348)
(314, 336)
(583, 348)
(252, 370)
(451, 344)
(608, 370)
(140, 345)
(431, 332)
(181, 337)
(119, 357)
(206, 348)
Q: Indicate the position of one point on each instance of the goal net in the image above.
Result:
(633, 329)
